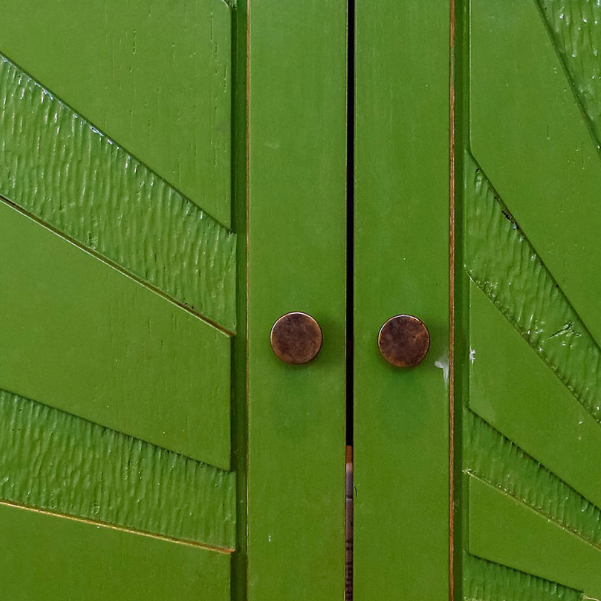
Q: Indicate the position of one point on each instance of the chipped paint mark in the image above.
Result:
(443, 363)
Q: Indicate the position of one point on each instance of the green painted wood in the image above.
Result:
(529, 504)
(155, 76)
(47, 558)
(538, 154)
(499, 462)
(401, 265)
(57, 166)
(525, 291)
(63, 464)
(296, 237)
(576, 31)
(82, 337)
(514, 391)
(498, 524)
(489, 581)
(118, 302)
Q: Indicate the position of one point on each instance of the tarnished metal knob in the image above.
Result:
(404, 340)
(296, 338)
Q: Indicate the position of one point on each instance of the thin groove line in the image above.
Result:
(115, 266)
(98, 524)
(546, 516)
(452, 303)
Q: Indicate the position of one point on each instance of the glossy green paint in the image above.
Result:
(401, 265)
(94, 473)
(296, 237)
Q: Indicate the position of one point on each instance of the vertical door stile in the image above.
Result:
(296, 242)
(401, 266)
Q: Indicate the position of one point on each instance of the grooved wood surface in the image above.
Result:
(118, 301)
(64, 464)
(514, 391)
(524, 290)
(154, 76)
(529, 135)
(531, 423)
(499, 462)
(505, 530)
(489, 581)
(576, 29)
(82, 337)
(57, 166)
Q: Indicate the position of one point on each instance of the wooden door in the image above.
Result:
(477, 157)
(118, 300)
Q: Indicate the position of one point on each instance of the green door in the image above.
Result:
(177, 176)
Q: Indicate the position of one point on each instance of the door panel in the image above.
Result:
(528, 156)
(401, 265)
(297, 245)
(118, 301)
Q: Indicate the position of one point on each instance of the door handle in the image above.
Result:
(404, 341)
(296, 338)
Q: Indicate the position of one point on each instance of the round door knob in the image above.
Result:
(404, 340)
(296, 338)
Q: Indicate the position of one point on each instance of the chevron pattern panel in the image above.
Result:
(531, 422)
(118, 301)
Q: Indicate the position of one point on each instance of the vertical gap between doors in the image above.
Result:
(350, 291)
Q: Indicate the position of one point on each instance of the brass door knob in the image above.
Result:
(296, 338)
(404, 340)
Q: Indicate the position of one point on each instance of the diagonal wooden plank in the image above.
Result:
(513, 390)
(494, 459)
(504, 264)
(529, 135)
(488, 581)
(506, 531)
(55, 558)
(154, 76)
(57, 166)
(575, 27)
(61, 463)
(82, 337)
